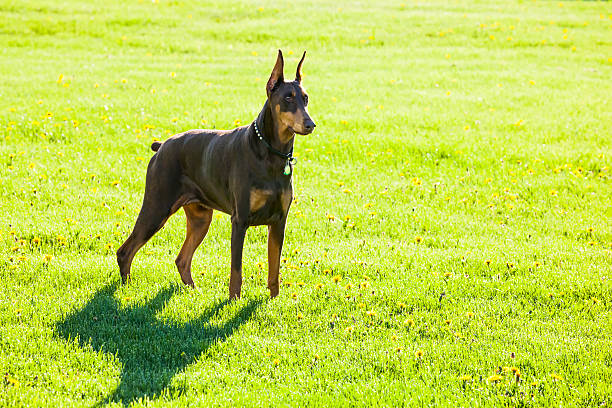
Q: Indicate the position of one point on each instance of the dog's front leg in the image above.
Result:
(239, 228)
(276, 235)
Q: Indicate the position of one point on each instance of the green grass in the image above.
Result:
(457, 188)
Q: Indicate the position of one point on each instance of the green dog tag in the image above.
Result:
(287, 168)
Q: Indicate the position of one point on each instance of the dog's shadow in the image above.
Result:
(151, 350)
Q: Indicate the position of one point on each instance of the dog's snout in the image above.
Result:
(309, 125)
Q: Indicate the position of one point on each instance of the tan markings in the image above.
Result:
(298, 121)
(286, 199)
(291, 120)
(258, 198)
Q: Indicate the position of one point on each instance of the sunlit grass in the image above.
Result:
(450, 239)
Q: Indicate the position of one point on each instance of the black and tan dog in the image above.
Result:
(245, 172)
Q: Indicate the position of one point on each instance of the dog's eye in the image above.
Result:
(289, 98)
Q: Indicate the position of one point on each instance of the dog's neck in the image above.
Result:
(279, 136)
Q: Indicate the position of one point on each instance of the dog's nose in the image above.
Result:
(309, 125)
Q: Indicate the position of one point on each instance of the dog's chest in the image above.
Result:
(267, 205)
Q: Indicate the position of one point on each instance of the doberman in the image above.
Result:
(245, 172)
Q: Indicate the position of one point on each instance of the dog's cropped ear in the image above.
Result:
(277, 74)
(298, 72)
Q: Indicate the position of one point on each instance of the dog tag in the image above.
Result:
(287, 168)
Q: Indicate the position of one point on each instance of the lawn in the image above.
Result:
(449, 243)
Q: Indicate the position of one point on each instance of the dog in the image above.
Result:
(245, 172)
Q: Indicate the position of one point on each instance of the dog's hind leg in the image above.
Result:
(198, 222)
(161, 199)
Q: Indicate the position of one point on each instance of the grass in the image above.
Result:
(449, 243)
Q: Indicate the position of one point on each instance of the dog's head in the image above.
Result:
(288, 100)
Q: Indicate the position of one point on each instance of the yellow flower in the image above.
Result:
(11, 381)
(494, 378)
(337, 279)
(276, 362)
(418, 239)
(409, 322)
(371, 313)
(556, 377)
(115, 182)
(299, 316)
(465, 378)
(419, 354)
(349, 329)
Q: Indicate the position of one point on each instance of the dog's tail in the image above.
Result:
(156, 145)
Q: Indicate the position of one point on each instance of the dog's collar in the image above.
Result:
(290, 160)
